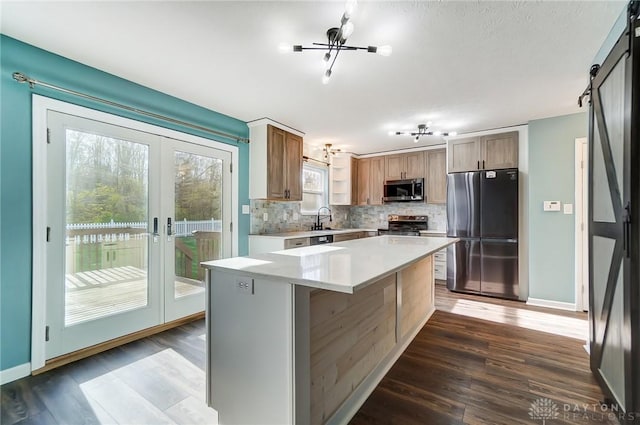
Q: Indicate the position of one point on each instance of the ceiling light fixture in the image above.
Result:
(328, 150)
(423, 130)
(336, 39)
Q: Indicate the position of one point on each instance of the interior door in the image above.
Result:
(610, 247)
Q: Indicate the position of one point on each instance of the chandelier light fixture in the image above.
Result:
(328, 150)
(423, 130)
(336, 39)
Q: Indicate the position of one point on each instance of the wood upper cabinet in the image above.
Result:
(276, 157)
(376, 184)
(464, 154)
(371, 180)
(364, 174)
(500, 151)
(275, 169)
(490, 152)
(293, 167)
(404, 166)
(436, 176)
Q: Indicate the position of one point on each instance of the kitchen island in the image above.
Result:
(304, 335)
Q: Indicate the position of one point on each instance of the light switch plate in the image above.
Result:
(551, 206)
(265, 217)
(246, 209)
(568, 208)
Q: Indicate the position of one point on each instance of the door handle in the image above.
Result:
(626, 230)
(169, 233)
(155, 226)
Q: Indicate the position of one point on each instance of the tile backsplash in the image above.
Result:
(286, 217)
(282, 216)
(375, 216)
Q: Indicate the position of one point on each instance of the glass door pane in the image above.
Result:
(106, 247)
(198, 219)
(198, 210)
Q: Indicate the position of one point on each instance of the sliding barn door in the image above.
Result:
(613, 213)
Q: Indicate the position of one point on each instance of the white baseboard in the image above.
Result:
(14, 373)
(551, 304)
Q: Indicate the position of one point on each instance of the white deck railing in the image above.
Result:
(180, 228)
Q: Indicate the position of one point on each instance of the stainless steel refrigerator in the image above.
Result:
(482, 210)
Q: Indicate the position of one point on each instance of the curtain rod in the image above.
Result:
(22, 78)
(306, 158)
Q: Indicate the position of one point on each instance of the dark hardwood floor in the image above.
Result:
(461, 369)
(477, 361)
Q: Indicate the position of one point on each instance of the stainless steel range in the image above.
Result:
(405, 225)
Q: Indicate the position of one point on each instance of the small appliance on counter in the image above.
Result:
(482, 210)
(405, 225)
(404, 190)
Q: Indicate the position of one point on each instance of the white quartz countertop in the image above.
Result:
(433, 232)
(342, 266)
(310, 233)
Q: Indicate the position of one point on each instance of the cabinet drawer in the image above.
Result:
(440, 271)
(296, 242)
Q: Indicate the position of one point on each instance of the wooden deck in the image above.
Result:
(99, 293)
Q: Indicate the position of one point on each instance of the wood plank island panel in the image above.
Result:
(350, 334)
(416, 283)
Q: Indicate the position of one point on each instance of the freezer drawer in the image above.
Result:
(463, 266)
(500, 269)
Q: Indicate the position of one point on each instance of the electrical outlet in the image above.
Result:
(265, 217)
(246, 209)
(296, 216)
(245, 286)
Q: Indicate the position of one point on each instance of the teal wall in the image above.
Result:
(552, 178)
(15, 165)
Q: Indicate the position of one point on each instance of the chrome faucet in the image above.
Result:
(318, 225)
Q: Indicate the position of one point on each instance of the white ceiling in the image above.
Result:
(465, 66)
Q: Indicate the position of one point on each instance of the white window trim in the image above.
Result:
(325, 192)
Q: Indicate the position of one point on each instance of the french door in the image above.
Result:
(130, 215)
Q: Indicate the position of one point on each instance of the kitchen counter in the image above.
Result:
(438, 233)
(303, 336)
(310, 233)
(342, 266)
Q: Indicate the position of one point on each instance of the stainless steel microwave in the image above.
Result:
(404, 190)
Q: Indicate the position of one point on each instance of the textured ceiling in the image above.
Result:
(465, 66)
